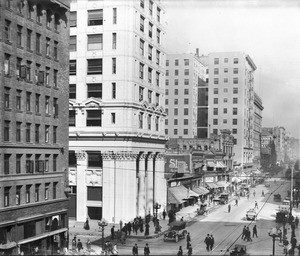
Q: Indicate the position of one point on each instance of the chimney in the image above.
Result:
(197, 52)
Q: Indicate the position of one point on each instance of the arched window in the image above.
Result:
(39, 13)
(56, 22)
(49, 18)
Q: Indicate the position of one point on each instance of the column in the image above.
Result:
(81, 196)
(149, 183)
(160, 192)
(141, 186)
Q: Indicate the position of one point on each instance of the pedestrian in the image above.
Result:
(147, 229)
(79, 245)
(190, 251)
(180, 252)
(164, 214)
(207, 242)
(188, 244)
(254, 230)
(244, 233)
(296, 222)
(129, 226)
(249, 239)
(74, 243)
(135, 250)
(229, 207)
(254, 193)
(256, 205)
(293, 242)
(88, 244)
(236, 202)
(212, 242)
(262, 193)
(112, 233)
(181, 219)
(86, 225)
(146, 250)
(280, 235)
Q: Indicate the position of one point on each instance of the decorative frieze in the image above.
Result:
(119, 155)
(94, 177)
(81, 155)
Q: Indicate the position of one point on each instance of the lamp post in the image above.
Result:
(102, 224)
(156, 207)
(273, 233)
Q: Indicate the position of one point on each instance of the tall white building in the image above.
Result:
(117, 136)
(231, 100)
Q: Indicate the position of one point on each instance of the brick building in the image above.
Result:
(34, 125)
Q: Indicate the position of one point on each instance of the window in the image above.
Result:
(72, 45)
(166, 101)
(142, 19)
(175, 101)
(6, 97)
(167, 63)
(176, 92)
(186, 62)
(54, 162)
(94, 67)
(56, 22)
(6, 196)
(225, 90)
(6, 163)
(54, 187)
(235, 71)
(175, 111)
(216, 71)
(149, 75)
(157, 57)
(215, 111)
(28, 71)
(186, 81)
(19, 35)
(216, 61)
(216, 100)
(55, 77)
(72, 67)
(167, 72)
(142, 3)
(47, 191)
(48, 18)
(175, 121)
(150, 52)
(95, 17)
(225, 60)
(215, 121)
(235, 90)
(47, 133)
(234, 111)
(114, 15)
(7, 65)
(235, 80)
(114, 66)
(156, 123)
(142, 47)
(39, 13)
(47, 103)
(55, 50)
(141, 93)
(234, 131)
(224, 121)
(114, 41)
(224, 110)
(166, 121)
(19, 100)
(235, 61)
(55, 107)
(149, 117)
(186, 101)
(141, 73)
(216, 80)
(225, 100)
(93, 118)
(150, 29)
(157, 78)
(72, 118)
(54, 134)
(234, 141)
(8, 4)
(185, 121)
(185, 111)
(94, 193)
(94, 90)
(113, 118)
(37, 133)
(158, 36)
(156, 99)
(20, 69)
(38, 43)
(216, 91)
(28, 187)
(215, 131)
(151, 8)
(95, 42)
(235, 100)
(225, 70)
(28, 128)
(158, 14)
(141, 116)
(28, 39)
(94, 159)
(185, 131)
(167, 92)
(18, 131)
(37, 103)
(225, 80)
(28, 99)
(7, 32)
(176, 62)
(234, 121)
(186, 91)
(18, 163)
(149, 96)
(186, 72)
(176, 81)
(72, 91)
(113, 90)
(37, 192)
(175, 131)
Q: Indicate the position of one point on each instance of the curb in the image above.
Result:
(148, 237)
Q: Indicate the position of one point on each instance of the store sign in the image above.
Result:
(177, 163)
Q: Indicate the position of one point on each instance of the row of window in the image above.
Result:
(149, 122)
(31, 11)
(149, 96)
(225, 100)
(150, 29)
(93, 90)
(185, 91)
(94, 67)
(185, 101)
(23, 132)
(176, 62)
(175, 131)
(185, 121)
(150, 52)
(185, 82)
(150, 6)
(234, 111)
(28, 103)
(8, 197)
(95, 17)
(235, 80)
(26, 164)
(27, 40)
(234, 121)
(217, 61)
(176, 72)
(24, 72)
(150, 72)
(94, 42)
(185, 111)
(216, 71)
(235, 90)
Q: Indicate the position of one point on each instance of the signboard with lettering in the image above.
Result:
(177, 163)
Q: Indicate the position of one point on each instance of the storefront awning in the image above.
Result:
(220, 165)
(212, 185)
(211, 164)
(8, 245)
(222, 184)
(235, 179)
(200, 190)
(176, 195)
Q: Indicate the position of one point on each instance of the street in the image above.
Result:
(226, 227)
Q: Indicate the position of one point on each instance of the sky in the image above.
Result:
(267, 30)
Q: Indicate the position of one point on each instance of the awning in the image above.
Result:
(211, 185)
(200, 190)
(192, 193)
(236, 179)
(222, 184)
(8, 245)
(210, 164)
(220, 165)
(176, 195)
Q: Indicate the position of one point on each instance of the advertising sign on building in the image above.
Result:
(177, 163)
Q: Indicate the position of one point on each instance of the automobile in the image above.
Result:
(277, 198)
(224, 198)
(286, 202)
(267, 184)
(251, 214)
(239, 250)
(177, 231)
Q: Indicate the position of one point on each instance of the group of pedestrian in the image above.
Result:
(76, 244)
(135, 250)
(209, 241)
(246, 234)
(189, 253)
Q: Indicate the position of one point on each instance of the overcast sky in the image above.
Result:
(268, 32)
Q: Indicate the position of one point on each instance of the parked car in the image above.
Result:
(277, 198)
(175, 233)
(251, 214)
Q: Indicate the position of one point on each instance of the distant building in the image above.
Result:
(257, 126)
(116, 109)
(34, 126)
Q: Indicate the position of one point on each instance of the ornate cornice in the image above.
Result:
(81, 155)
(119, 155)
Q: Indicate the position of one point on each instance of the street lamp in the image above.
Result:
(273, 233)
(102, 224)
(156, 207)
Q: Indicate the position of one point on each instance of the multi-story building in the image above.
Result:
(231, 100)
(280, 142)
(258, 108)
(34, 126)
(185, 75)
(116, 109)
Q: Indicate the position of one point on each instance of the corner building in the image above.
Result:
(116, 109)
(33, 126)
